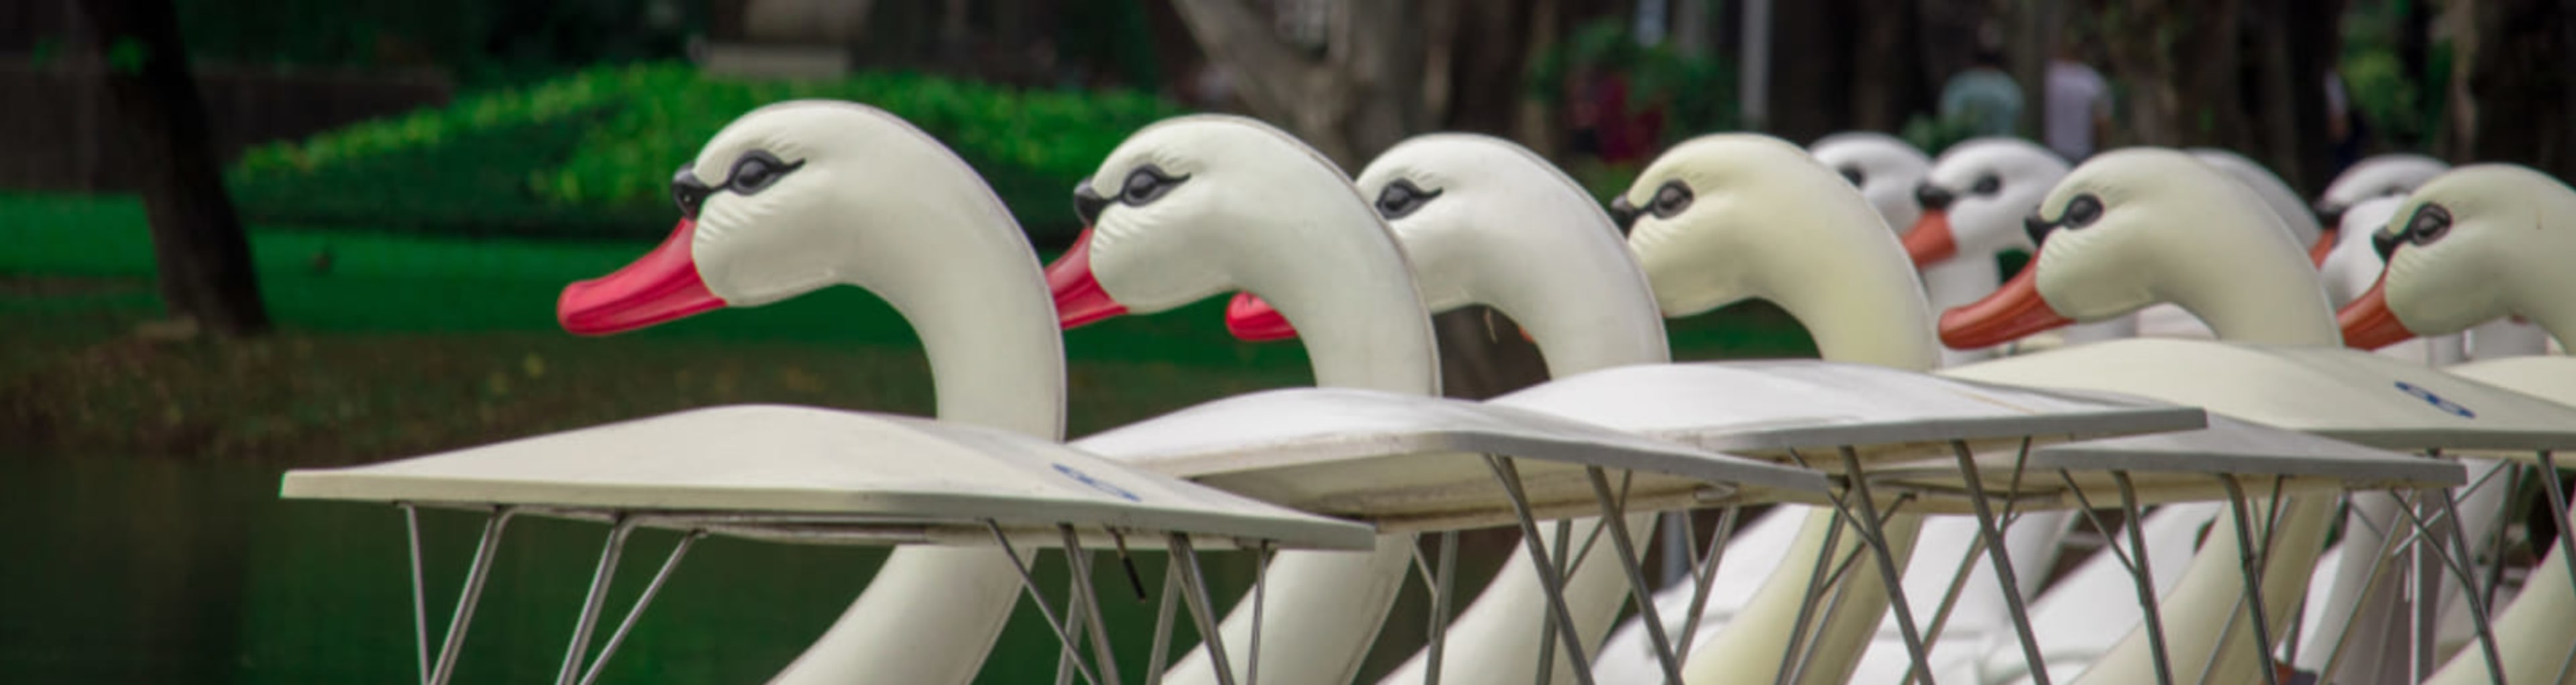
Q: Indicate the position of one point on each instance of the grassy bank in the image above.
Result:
(390, 345)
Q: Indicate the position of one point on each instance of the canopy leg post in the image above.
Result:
(651, 590)
(1617, 520)
(419, 601)
(1874, 533)
(2252, 564)
(2144, 573)
(2443, 506)
(2002, 558)
(1510, 475)
(1086, 599)
(1161, 656)
(1444, 581)
(1260, 600)
(1063, 632)
(1185, 560)
(1706, 575)
(1789, 659)
(480, 571)
(578, 653)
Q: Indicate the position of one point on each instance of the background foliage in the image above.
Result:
(591, 153)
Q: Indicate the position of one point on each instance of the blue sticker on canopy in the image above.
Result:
(2436, 400)
(1097, 484)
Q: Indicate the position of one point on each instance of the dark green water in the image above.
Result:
(118, 570)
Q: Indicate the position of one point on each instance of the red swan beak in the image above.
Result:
(2367, 322)
(2325, 246)
(661, 286)
(1929, 241)
(1079, 299)
(2009, 313)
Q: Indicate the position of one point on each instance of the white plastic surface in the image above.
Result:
(786, 462)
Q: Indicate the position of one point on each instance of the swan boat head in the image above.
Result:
(1488, 222)
(1884, 167)
(2480, 242)
(793, 197)
(1735, 216)
(2137, 227)
(1975, 196)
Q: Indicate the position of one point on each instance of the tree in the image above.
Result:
(1361, 96)
(2512, 99)
(197, 239)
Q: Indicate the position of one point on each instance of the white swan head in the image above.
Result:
(2379, 177)
(2477, 243)
(2268, 187)
(2392, 175)
(2128, 229)
(787, 199)
(1975, 196)
(1191, 207)
(2353, 265)
(1705, 220)
(1884, 167)
(1472, 211)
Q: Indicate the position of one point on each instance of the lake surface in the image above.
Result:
(166, 571)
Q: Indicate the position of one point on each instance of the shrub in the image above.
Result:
(592, 153)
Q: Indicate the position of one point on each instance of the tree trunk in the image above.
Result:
(1883, 89)
(1364, 95)
(197, 239)
(2519, 106)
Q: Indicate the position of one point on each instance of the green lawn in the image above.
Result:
(395, 344)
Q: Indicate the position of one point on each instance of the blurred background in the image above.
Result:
(237, 238)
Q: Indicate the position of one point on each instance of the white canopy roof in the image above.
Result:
(2184, 465)
(1767, 408)
(2549, 377)
(2334, 392)
(1410, 462)
(820, 474)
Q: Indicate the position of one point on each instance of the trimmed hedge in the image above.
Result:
(591, 154)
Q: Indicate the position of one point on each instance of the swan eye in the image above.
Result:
(1987, 185)
(1670, 200)
(756, 170)
(1854, 175)
(1147, 184)
(1401, 198)
(2430, 223)
(2082, 211)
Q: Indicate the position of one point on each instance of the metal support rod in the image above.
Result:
(1950, 595)
(419, 603)
(651, 590)
(1546, 627)
(2253, 567)
(1088, 598)
(1706, 575)
(1185, 561)
(2388, 544)
(1549, 582)
(2449, 510)
(2144, 572)
(1637, 585)
(480, 570)
(1260, 599)
(1161, 656)
(1807, 605)
(1875, 535)
(1063, 634)
(1995, 550)
(1444, 580)
(2548, 478)
(578, 653)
